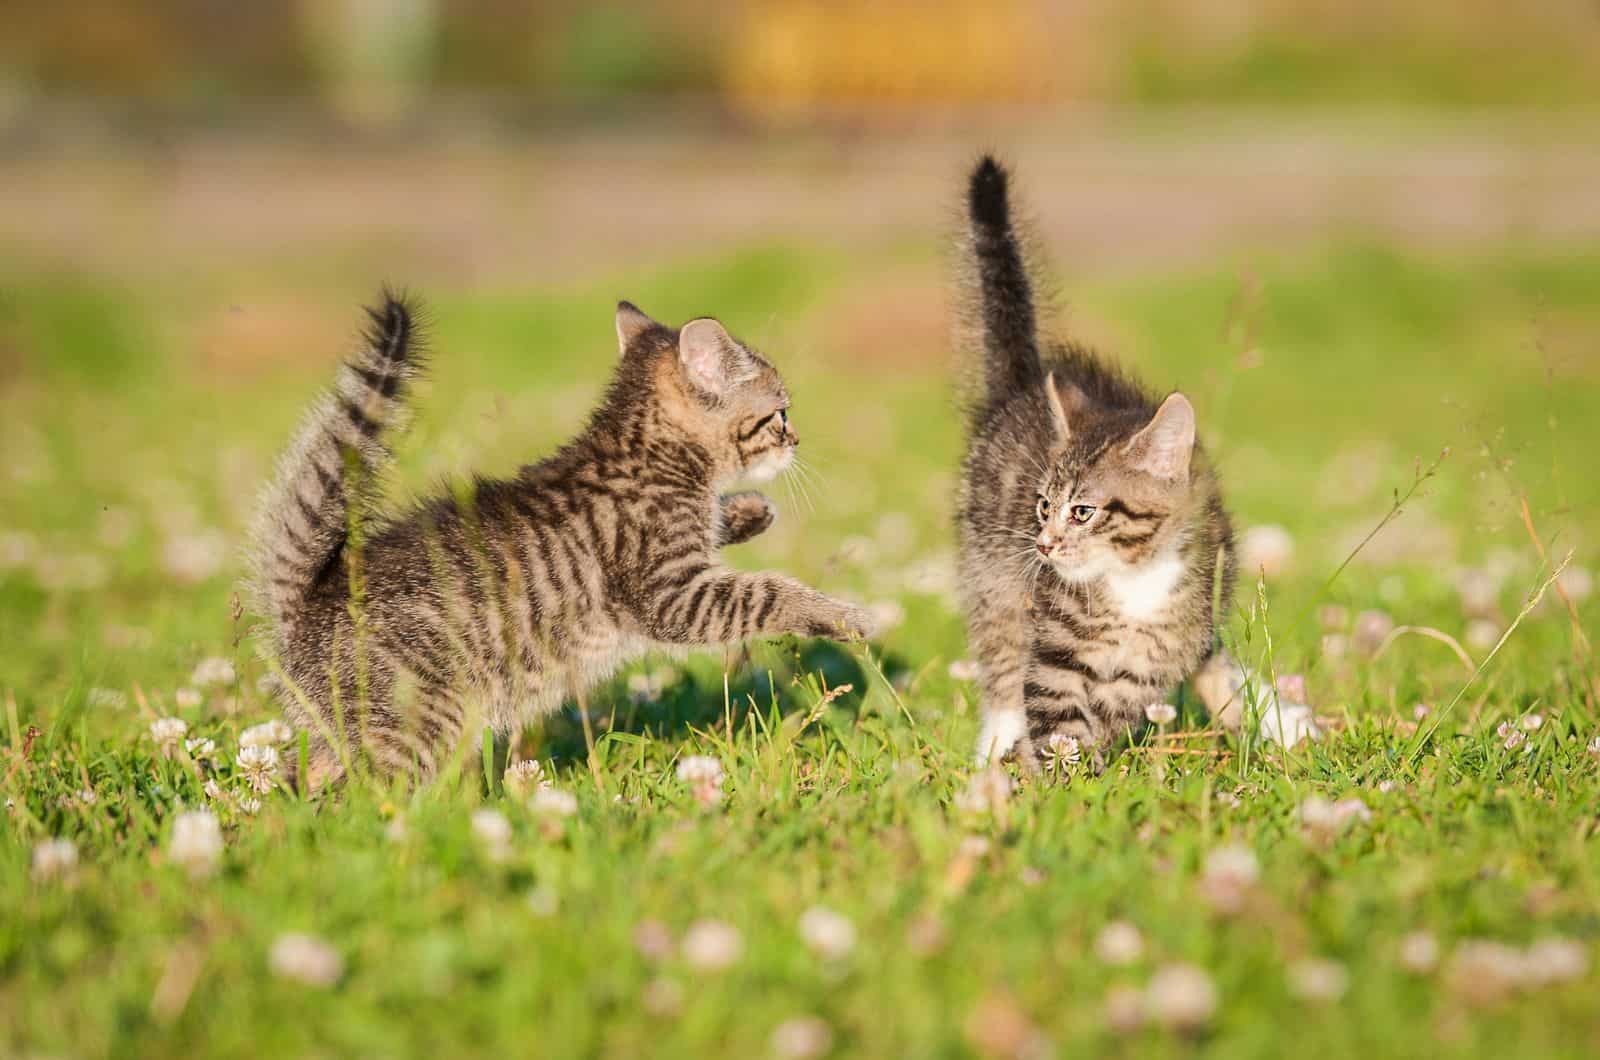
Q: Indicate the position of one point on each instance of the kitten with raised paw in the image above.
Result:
(496, 602)
(1093, 538)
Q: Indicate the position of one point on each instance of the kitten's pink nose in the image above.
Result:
(1046, 547)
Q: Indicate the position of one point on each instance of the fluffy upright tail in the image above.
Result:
(334, 460)
(1005, 311)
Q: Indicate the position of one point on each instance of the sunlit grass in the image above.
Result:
(977, 922)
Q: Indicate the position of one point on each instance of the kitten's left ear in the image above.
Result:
(1164, 447)
(709, 355)
(1066, 401)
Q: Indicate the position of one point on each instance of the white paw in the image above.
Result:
(1288, 723)
(1000, 733)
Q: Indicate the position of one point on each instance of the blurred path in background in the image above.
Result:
(1109, 191)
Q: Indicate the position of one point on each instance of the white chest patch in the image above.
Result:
(1144, 592)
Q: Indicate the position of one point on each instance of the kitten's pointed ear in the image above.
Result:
(631, 323)
(1164, 447)
(708, 355)
(1066, 401)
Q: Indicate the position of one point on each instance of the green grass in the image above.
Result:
(1318, 392)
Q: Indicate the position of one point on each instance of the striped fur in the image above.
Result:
(1092, 531)
(496, 602)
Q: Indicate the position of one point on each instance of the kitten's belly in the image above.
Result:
(598, 658)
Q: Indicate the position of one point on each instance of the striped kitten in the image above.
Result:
(1091, 526)
(496, 603)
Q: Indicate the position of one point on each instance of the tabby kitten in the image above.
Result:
(1093, 536)
(496, 603)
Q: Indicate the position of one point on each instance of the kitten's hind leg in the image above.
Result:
(744, 515)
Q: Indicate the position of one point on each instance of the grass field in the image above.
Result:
(134, 434)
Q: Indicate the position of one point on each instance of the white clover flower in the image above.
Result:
(1481, 634)
(829, 935)
(965, 670)
(1266, 549)
(200, 748)
(801, 1038)
(213, 790)
(986, 792)
(1485, 970)
(214, 670)
(166, 732)
(1532, 722)
(1556, 960)
(54, 859)
(1419, 952)
(1420, 711)
(274, 733)
(525, 776)
(1512, 736)
(1180, 997)
(1323, 820)
(196, 842)
(1577, 582)
(1372, 629)
(1124, 1008)
(696, 769)
(553, 802)
(1229, 875)
(1062, 753)
(306, 959)
(712, 945)
(187, 698)
(704, 775)
(1119, 943)
(493, 831)
(653, 940)
(194, 557)
(661, 996)
(1594, 746)
(1161, 713)
(1317, 979)
(259, 767)
(249, 804)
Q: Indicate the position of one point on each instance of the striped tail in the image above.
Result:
(335, 458)
(1010, 340)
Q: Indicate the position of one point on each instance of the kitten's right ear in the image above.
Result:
(631, 323)
(1066, 401)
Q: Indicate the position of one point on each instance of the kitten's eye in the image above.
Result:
(1044, 509)
(1082, 513)
(782, 422)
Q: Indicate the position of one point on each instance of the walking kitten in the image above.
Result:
(497, 603)
(1093, 536)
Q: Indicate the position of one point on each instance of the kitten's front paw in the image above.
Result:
(845, 622)
(745, 515)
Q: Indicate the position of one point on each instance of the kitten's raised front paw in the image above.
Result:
(745, 515)
(844, 622)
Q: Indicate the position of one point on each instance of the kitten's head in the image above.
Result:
(1117, 489)
(727, 396)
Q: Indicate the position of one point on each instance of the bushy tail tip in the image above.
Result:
(392, 325)
(986, 194)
